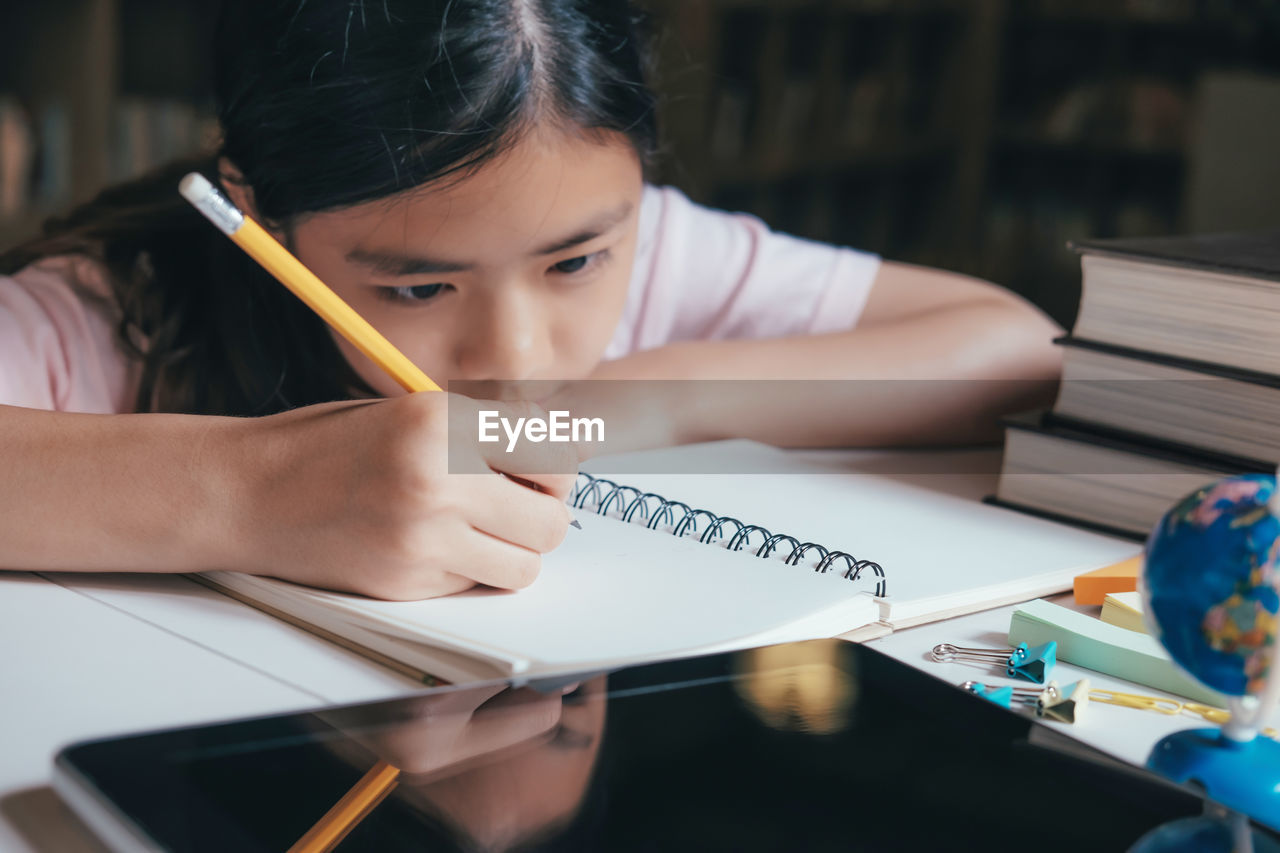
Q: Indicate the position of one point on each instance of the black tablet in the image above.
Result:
(803, 747)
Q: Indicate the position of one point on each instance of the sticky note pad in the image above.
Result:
(1092, 587)
(1124, 609)
(1093, 644)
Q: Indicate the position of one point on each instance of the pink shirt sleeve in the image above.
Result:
(703, 274)
(58, 343)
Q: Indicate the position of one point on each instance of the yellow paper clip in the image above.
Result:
(1135, 700)
(1219, 716)
(1207, 712)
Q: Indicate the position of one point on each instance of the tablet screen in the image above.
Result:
(812, 746)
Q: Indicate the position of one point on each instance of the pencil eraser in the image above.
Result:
(216, 207)
(195, 188)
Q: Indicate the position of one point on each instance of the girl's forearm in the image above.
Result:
(114, 492)
(937, 377)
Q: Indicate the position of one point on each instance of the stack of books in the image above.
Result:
(1171, 379)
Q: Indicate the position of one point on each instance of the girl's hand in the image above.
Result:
(366, 497)
(440, 734)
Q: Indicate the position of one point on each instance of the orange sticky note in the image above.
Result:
(1092, 587)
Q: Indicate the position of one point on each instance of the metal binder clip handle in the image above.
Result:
(1064, 704)
(1033, 664)
(1002, 696)
(1032, 697)
(946, 652)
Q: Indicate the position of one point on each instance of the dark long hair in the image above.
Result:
(324, 104)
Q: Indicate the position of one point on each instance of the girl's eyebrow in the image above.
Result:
(400, 264)
(601, 224)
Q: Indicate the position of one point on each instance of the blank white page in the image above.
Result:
(943, 551)
(613, 592)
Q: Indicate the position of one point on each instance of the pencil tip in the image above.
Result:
(575, 523)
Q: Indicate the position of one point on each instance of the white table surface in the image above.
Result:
(92, 656)
(87, 656)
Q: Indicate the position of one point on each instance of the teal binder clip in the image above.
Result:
(1033, 664)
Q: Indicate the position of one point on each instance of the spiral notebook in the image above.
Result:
(654, 575)
(612, 593)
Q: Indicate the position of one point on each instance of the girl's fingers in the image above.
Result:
(559, 486)
(497, 563)
(501, 725)
(514, 512)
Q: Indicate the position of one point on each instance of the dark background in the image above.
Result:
(974, 135)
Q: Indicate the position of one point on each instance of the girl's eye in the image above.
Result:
(578, 264)
(415, 293)
(572, 265)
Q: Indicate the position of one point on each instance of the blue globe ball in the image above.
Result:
(1211, 583)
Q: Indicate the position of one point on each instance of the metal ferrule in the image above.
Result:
(221, 212)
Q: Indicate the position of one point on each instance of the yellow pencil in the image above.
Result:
(278, 261)
(329, 831)
(306, 285)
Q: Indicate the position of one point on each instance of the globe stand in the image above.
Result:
(1212, 832)
(1241, 775)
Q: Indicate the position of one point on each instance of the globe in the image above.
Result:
(1212, 587)
(1212, 594)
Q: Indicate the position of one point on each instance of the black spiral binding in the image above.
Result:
(601, 496)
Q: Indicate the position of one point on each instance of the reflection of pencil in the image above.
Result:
(372, 788)
(304, 284)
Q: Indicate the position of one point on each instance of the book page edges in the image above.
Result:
(428, 657)
(416, 656)
(921, 611)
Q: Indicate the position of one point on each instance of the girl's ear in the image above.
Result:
(241, 194)
(233, 184)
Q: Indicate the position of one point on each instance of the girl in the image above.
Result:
(469, 176)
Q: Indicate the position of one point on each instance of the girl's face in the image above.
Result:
(517, 271)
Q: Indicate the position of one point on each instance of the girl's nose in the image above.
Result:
(507, 338)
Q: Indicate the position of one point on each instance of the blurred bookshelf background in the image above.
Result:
(975, 135)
